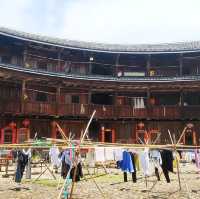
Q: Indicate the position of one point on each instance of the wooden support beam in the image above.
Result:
(148, 64)
(23, 95)
(181, 64)
(57, 99)
(116, 64)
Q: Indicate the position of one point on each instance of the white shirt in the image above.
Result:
(53, 153)
(99, 154)
(118, 154)
(109, 153)
(145, 163)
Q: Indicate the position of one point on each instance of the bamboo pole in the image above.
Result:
(92, 145)
(175, 150)
(78, 152)
(63, 186)
(61, 131)
(181, 135)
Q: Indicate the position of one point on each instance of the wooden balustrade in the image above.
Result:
(41, 108)
(140, 113)
(123, 111)
(10, 106)
(192, 112)
(102, 111)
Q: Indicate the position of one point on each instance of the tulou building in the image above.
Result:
(138, 91)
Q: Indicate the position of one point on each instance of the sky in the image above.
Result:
(106, 21)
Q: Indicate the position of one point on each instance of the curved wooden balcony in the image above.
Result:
(102, 111)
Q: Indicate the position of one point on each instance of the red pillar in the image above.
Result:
(102, 135)
(14, 136)
(53, 130)
(2, 136)
(13, 127)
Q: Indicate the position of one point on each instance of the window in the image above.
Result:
(42, 97)
(75, 99)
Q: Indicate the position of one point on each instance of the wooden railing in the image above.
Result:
(41, 108)
(13, 106)
(102, 111)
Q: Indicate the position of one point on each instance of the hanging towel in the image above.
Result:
(118, 154)
(54, 153)
(137, 162)
(145, 163)
(197, 158)
(109, 153)
(99, 154)
(176, 159)
(135, 106)
(142, 103)
(156, 158)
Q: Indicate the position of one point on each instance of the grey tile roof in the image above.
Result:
(178, 47)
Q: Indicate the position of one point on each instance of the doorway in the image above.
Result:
(94, 130)
(108, 136)
(8, 136)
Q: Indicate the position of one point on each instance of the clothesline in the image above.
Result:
(103, 145)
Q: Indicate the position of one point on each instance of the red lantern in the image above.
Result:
(12, 125)
(141, 125)
(26, 123)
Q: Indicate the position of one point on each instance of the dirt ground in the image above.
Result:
(111, 185)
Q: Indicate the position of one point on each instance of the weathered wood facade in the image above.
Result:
(45, 80)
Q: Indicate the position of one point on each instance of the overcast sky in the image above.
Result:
(109, 21)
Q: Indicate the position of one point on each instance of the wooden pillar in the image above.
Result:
(90, 68)
(2, 136)
(57, 99)
(102, 134)
(23, 94)
(181, 97)
(91, 59)
(53, 130)
(181, 64)
(116, 65)
(148, 97)
(59, 63)
(25, 56)
(115, 98)
(89, 97)
(148, 64)
(13, 127)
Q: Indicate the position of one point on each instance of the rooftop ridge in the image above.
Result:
(177, 47)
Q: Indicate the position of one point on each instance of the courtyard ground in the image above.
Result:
(112, 186)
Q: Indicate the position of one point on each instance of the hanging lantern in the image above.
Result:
(152, 101)
(26, 123)
(141, 125)
(12, 125)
